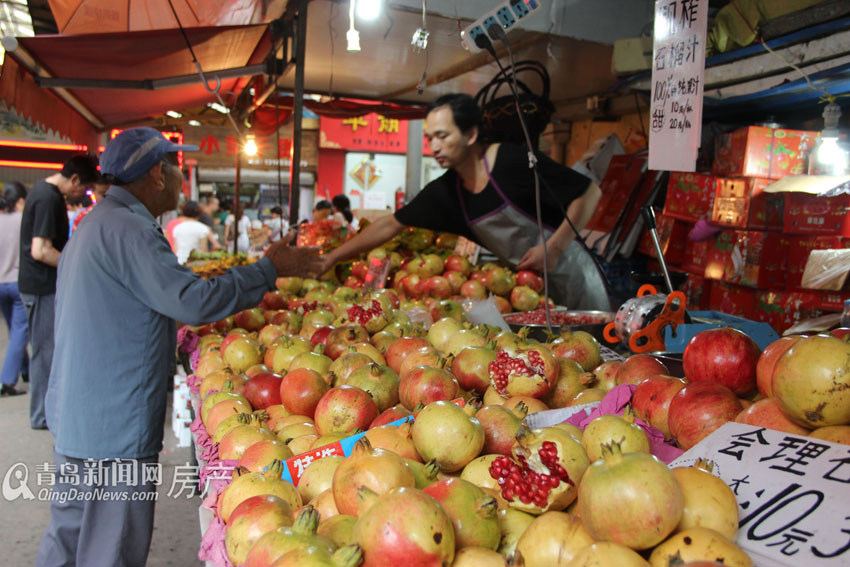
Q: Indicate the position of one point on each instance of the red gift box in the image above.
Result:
(673, 237)
(809, 214)
(765, 256)
(799, 248)
(782, 310)
(741, 202)
(696, 255)
(697, 290)
(757, 151)
(732, 299)
(719, 259)
(623, 176)
(829, 300)
(690, 196)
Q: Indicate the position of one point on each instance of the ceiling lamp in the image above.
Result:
(831, 155)
(368, 9)
(352, 36)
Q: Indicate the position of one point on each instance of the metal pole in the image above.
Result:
(237, 213)
(297, 113)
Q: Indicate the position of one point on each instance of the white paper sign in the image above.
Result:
(678, 70)
(793, 493)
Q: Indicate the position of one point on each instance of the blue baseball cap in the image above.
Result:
(135, 151)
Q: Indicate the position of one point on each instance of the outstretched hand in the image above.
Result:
(295, 261)
(533, 258)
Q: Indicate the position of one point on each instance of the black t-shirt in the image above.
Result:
(44, 216)
(436, 207)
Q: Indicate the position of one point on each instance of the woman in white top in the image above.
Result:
(191, 234)
(276, 224)
(11, 205)
(342, 210)
(243, 242)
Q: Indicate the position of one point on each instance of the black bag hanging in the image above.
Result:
(499, 114)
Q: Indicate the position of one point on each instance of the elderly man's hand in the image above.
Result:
(295, 261)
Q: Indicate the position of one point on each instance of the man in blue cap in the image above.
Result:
(119, 282)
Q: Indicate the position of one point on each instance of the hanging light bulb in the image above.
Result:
(368, 9)
(250, 147)
(830, 155)
(352, 36)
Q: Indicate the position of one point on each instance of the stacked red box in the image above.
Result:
(740, 202)
(697, 290)
(781, 310)
(799, 248)
(622, 178)
(732, 299)
(696, 256)
(690, 196)
(764, 257)
(673, 237)
(811, 214)
(719, 263)
(757, 151)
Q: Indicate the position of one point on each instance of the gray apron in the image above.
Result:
(574, 282)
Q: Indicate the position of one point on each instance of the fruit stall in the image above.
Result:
(346, 423)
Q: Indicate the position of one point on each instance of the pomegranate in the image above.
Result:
(607, 428)
(325, 505)
(478, 557)
(587, 396)
(238, 439)
(767, 363)
(833, 433)
(311, 556)
(269, 334)
(553, 539)
(457, 263)
(472, 512)
(251, 520)
(441, 331)
(572, 379)
(499, 281)
(812, 382)
(242, 353)
(638, 368)
(629, 498)
(339, 529)
(390, 415)
(256, 370)
(463, 339)
(530, 279)
(699, 409)
(301, 534)
(280, 354)
(767, 413)
(651, 401)
(725, 356)
(371, 317)
(344, 409)
(301, 390)
(247, 484)
(423, 474)
(346, 364)
(513, 524)
(579, 346)
(694, 545)
(707, 501)
(260, 455)
(274, 416)
(215, 398)
(542, 475)
(456, 280)
(312, 360)
(263, 390)
(426, 384)
(402, 348)
(320, 335)
(395, 438)
(477, 471)
(342, 337)
(210, 363)
(443, 420)
(532, 372)
(233, 421)
(291, 432)
(318, 477)
(471, 368)
(500, 428)
(379, 381)
(524, 405)
(605, 553)
(250, 319)
(523, 298)
(224, 410)
(473, 289)
(377, 470)
(406, 527)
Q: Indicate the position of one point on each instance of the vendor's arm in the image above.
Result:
(43, 251)
(579, 212)
(374, 235)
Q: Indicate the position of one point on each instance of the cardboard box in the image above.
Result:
(765, 256)
(690, 196)
(696, 256)
(741, 202)
(673, 237)
(719, 264)
(799, 248)
(697, 290)
(782, 309)
(732, 299)
(757, 151)
(813, 214)
(623, 177)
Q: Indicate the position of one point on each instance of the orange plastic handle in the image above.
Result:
(609, 334)
(646, 289)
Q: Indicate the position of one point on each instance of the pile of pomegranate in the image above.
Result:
(467, 483)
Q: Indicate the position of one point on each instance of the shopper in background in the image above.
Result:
(97, 195)
(322, 210)
(276, 225)
(11, 204)
(209, 207)
(191, 234)
(243, 241)
(120, 284)
(44, 233)
(342, 212)
(75, 206)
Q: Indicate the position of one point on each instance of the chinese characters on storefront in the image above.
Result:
(371, 133)
(678, 70)
(792, 493)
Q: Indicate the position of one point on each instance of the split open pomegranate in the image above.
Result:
(525, 372)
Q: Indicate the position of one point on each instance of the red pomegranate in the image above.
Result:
(572, 379)
(606, 374)
(553, 540)
(301, 390)
(251, 520)
(402, 348)
(579, 346)
(767, 413)
(263, 390)
(320, 335)
(473, 289)
(346, 364)
(651, 400)
(699, 409)
(725, 356)
(767, 363)
(638, 368)
(247, 484)
(500, 428)
(530, 279)
(390, 415)
(344, 409)
(250, 319)
(443, 420)
(473, 512)
(426, 384)
(395, 438)
(376, 470)
(471, 368)
(341, 338)
(260, 455)
(457, 263)
(379, 381)
(532, 372)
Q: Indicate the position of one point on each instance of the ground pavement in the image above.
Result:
(22, 522)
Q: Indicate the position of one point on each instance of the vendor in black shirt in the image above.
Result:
(487, 195)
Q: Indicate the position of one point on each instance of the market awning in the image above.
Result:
(151, 63)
